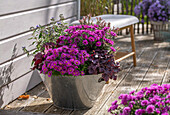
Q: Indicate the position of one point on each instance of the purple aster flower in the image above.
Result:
(84, 36)
(72, 60)
(74, 73)
(74, 46)
(59, 49)
(76, 51)
(63, 55)
(113, 49)
(77, 73)
(62, 37)
(91, 39)
(85, 26)
(56, 68)
(77, 40)
(45, 70)
(70, 70)
(144, 102)
(113, 33)
(138, 112)
(59, 68)
(48, 65)
(158, 111)
(114, 103)
(85, 42)
(77, 62)
(132, 92)
(112, 108)
(82, 61)
(150, 109)
(111, 42)
(83, 52)
(82, 73)
(49, 73)
(52, 66)
(66, 61)
(126, 110)
(98, 44)
(60, 62)
(69, 41)
(71, 50)
(153, 101)
(63, 72)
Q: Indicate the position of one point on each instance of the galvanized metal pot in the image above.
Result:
(70, 92)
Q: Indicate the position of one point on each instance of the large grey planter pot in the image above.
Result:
(70, 92)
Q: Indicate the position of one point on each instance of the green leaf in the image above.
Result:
(32, 63)
(40, 35)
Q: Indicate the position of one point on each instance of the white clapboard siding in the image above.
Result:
(11, 6)
(18, 87)
(21, 22)
(14, 69)
(12, 47)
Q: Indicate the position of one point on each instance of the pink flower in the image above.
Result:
(113, 49)
(98, 44)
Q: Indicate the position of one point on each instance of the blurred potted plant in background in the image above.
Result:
(158, 12)
(76, 59)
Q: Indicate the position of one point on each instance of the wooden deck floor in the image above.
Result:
(153, 66)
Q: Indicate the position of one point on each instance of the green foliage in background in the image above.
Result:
(94, 7)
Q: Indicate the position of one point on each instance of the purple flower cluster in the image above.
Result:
(88, 37)
(75, 46)
(64, 61)
(156, 10)
(153, 100)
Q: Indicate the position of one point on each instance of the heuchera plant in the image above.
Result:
(156, 10)
(103, 62)
(153, 100)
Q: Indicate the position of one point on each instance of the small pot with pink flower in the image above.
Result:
(75, 62)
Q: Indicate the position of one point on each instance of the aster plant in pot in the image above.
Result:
(158, 12)
(75, 61)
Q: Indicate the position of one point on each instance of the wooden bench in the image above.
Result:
(121, 22)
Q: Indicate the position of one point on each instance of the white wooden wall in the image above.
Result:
(16, 17)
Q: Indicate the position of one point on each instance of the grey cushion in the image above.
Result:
(118, 21)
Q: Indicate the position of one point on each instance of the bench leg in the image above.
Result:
(133, 44)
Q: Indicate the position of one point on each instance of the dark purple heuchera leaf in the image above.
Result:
(103, 62)
(38, 59)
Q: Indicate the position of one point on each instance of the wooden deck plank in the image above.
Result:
(54, 110)
(157, 70)
(40, 104)
(16, 105)
(67, 112)
(78, 112)
(166, 79)
(5, 112)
